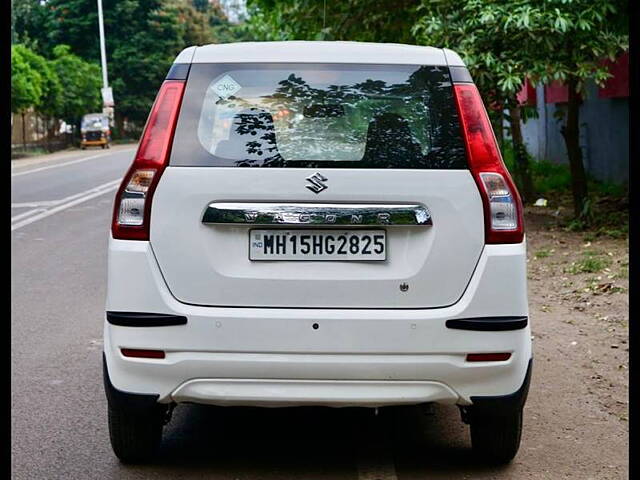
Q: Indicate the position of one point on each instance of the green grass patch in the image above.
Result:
(590, 264)
(551, 177)
(543, 253)
(623, 273)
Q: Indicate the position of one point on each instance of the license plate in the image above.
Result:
(318, 245)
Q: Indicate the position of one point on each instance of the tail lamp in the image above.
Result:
(500, 198)
(132, 208)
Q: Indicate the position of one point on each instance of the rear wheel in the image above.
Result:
(135, 434)
(495, 438)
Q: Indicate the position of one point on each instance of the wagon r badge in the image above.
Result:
(316, 184)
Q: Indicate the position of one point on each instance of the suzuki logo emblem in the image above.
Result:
(316, 184)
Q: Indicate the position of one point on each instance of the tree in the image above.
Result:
(26, 84)
(575, 36)
(142, 39)
(80, 83)
(29, 24)
(50, 101)
(362, 20)
(490, 37)
(504, 42)
(201, 6)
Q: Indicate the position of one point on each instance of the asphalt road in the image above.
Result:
(61, 209)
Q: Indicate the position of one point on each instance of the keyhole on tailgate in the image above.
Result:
(315, 326)
(404, 287)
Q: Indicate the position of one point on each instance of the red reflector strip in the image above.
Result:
(136, 353)
(488, 357)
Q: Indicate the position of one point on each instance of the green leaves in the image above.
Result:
(360, 20)
(65, 87)
(26, 81)
(142, 39)
(80, 84)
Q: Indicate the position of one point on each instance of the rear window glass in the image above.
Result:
(312, 115)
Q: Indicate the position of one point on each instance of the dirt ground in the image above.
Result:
(576, 423)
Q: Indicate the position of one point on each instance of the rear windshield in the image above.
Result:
(318, 115)
(94, 121)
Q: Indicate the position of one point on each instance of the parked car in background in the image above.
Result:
(95, 131)
(317, 223)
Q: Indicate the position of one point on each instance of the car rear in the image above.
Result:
(301, 230)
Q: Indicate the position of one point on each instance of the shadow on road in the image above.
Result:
(311, 443)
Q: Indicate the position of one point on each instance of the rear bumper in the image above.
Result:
(334, 357)
(89, 143)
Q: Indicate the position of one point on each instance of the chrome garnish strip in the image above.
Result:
(219, 213)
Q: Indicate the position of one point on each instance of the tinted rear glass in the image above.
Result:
(318, 115)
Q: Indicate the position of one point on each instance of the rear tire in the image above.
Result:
(496, 438)
(135, 434)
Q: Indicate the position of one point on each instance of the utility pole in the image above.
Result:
(107, 95)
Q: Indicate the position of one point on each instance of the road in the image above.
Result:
(61, 210)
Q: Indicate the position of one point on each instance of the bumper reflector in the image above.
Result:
(136, 353)
(488, 357)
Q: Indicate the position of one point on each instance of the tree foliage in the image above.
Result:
(51, 99)
(361, 20)
(142, 39)
(505, 42)
(80, 84)
(26, 82)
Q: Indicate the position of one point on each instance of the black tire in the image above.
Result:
(496, 438)
(135, 434)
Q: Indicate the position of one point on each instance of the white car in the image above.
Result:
(317, 223)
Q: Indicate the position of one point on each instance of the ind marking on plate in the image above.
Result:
(226, 86)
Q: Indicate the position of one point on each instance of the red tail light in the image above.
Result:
(132, 209)
(502, 205)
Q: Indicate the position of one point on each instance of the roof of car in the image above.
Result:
(319, 52)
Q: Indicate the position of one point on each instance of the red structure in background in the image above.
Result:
(527, 96)
(556, 93)
(618, 85)
(615, 87)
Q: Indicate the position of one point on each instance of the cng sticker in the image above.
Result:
(225, 87)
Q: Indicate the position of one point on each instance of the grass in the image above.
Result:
(592, 263)
(623, 273)
(543, 253)
(34, 152)
(606, 212)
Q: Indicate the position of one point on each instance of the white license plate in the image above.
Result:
(315, 245)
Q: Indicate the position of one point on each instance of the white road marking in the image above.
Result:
(53, 203)
(64, 164)
(15, 218)
(67, 202)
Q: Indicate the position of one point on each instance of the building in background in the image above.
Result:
(604, 124)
